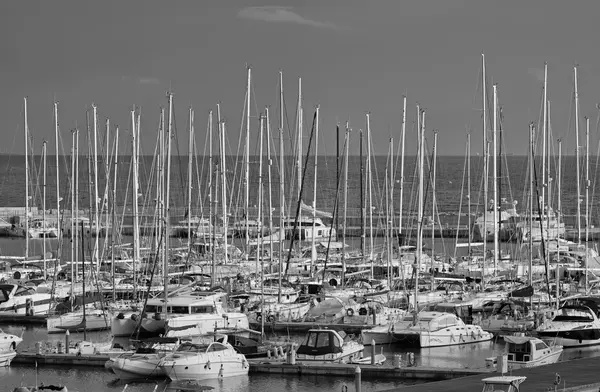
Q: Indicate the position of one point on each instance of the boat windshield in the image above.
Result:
(498, 388)
(201, 348)
(574, 314)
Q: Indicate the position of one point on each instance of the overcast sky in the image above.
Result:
(353, 56)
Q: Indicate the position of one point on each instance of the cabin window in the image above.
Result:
(311, 340)
(216, 347)
(498, 388)
(202, 309)
(179, 309)
(540, 346)
(323, 340)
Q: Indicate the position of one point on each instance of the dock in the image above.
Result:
(575, 375)
(274, 366)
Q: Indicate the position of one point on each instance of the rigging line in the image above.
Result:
(596, 166)
(462, 188)
(295, 229)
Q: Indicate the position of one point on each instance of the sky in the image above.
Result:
(354, 57)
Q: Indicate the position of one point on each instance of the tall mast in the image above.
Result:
(421, 116)
(402, 136)
(577, 154)
(587, 195)
(96, 207)
(483, 231)
(190, 162)
(211, 207)
(114, 210)
(362, 197)
(167, 200)
(26, 131)
(300, 125)
(223, 178)
(74, 227)
(259, 244)
(433, 202)
(495, 177)
(77, 232)
(391, 216)
(313, 257)
(269, 165)
(58, 200)
(469, 190)
(347, 143)
(387, 212)
(370, 190)
(105, 201)
(136, 228)
(544, 147)
(44, 232)
(531, 177)
(281, 186)
(247, 178)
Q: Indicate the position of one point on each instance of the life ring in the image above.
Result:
(271, 318)
(557, 379)
(350, 312)
(258, 318)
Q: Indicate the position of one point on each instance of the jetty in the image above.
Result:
(575, 375)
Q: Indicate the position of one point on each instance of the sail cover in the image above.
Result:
(321, 214)
(526, 291)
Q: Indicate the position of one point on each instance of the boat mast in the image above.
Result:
(114, 212)
(247, 174)
(167, 203)
(531, 177)
(136, 228)
(74, 227)
(44, 227)
(391, 215)
(544, 147)
(484, 231)
(212, 208)
(587, 195)
(313, 257)
(469, 191)
(370, 190)
(269, 165)
(223, 179)
(77, 232)
(347, 143)
(421, 126)
(190, 162)
(402, 136)
(300, 115)
(94, 260)
(26, 131)
(259, 243)
(435, 139)
(495, 177)
(362, 197)
(58, 200)
(577, 154)
(281, 187)
(559, 205)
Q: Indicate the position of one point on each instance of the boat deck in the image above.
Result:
(579, 374)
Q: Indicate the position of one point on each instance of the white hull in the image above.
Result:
(6, 358)
(445, 337)
(198, 368)
(94, 321)
(138, 366)
(204, 323)
(546, 360)
(8, 342)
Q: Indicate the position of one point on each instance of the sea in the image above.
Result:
(452, 202)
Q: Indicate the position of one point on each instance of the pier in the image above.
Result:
(575, 375)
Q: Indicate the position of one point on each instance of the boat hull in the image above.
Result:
(422, 339)
(6, 358)
(136, 367)
(205, 369)
(94, 321)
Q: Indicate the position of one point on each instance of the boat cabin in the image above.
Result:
(322, 342)
(195, 302)
(502, 383)
(459, 309)
(525, 348)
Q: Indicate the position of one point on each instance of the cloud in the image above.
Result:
(537, 73)
(148, 81)
(278, 14)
